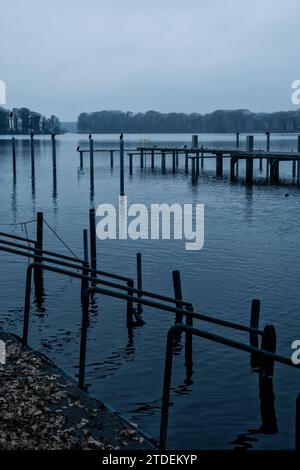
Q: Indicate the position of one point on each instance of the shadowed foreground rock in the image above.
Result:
(41, 409)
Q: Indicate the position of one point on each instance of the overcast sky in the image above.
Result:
(68, 56)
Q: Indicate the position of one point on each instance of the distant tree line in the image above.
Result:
(219, 121)
(25, 121)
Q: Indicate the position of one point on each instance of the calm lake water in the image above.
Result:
(251, 251)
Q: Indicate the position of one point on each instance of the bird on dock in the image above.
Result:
(121, 136)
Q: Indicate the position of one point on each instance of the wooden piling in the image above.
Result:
(177, 294)
(294, 168)
(163, 161)
(174, 161)
(152, 159)
(260, 164)
(219, 165)
(298, 171)
(249, 170)
(195, 141)
(32, 147)
(141, 159)
(194, 177)
(232, 168)
(85, 245)
(122, 190)
(130, 163)
(111, 158)
(93, 247)
(249, 143)
(81, 159)
(177, 159)
(186, 164)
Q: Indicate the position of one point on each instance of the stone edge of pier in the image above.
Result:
(42, 408)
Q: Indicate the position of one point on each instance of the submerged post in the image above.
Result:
(122, 191)
(194, 178)
(93, 249)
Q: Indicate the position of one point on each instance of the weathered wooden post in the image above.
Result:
(195, 141)
(81, 159)
(130, 163)
(194, 178)
(163, 161)
(202, 159)
(13, 148)
(139, 281)
(219, 165)
(232, 168)
(186, 164)
(85, 245)
(32, 146)
(53, 149)
(173, 161)
(237, 142)
(38, 273)
(249, 160)
(294, 168)
(93, 247)
(141, 158)
(177, 159)
(189, 348)
(122, 190)
(298, 171)
(268, 343)
(91, 163)
(152, 159)
(111, 158)
(177, 294)
(197, 163)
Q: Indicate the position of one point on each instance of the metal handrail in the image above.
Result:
(17, 237)
(172, 334)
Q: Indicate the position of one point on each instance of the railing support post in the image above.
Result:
(93, 249)
(254, 323)
(38, 276)
(177, 294)
(139, 280)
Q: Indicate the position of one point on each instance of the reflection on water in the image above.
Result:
(251, 251)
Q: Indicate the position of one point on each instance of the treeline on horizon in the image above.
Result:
(241, 120)
(25, 121)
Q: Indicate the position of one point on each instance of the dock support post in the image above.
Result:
(237, 142)
(232, 168)
(130, 163)
(195, 141)
(197, 163)
(189, 348)
(163, 161)
(274, 171)
(93, 249)
(177, 294)
(194, 177)
(202, 160)
(294, 168)
(122, 191)
(298, 171)
(260, 164)
(152, 159)
(141, 159)
(139, 280)
(249, 143)
(85, 245)
(111, 158)
(186, 164)
(219, 165)
(249, 170)
(81, 159)
(173, 161)
(38, 272)
(177, 159)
